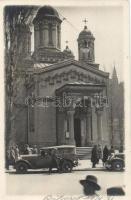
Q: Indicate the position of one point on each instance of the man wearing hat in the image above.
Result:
(55, 160)
(90, 185)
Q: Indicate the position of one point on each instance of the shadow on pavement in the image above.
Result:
(13, 172)
(97, 169)
(32, 172)
(90, 169)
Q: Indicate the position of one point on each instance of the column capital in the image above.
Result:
(99, 111)
(71, 112)
(89, 112)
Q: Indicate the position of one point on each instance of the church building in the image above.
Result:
(63, 100)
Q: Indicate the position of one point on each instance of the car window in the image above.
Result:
(66, 150)
(120, 156)
(43, 153)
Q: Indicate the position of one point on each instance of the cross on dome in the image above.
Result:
(67, 44)
(85, 21)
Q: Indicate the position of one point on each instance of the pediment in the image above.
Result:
(67, 72)
(93, 68)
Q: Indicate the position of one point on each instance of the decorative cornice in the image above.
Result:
(80, 86)
(72, 76)
(68, 62)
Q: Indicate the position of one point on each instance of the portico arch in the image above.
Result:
(79, 114)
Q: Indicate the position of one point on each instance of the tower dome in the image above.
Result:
(85, 33)
(47, 37)
(68, 51)
(86, 46)
(46, 11)
(47, 28)
(47, 34)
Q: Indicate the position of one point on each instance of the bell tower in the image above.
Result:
(47, 29)
(86, 45)
(47, 37)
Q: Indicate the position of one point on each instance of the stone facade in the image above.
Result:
(61, 97)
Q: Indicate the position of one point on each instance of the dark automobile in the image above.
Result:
(66, 154)
(116, 162)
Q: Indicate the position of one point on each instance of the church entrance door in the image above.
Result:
(77, 131)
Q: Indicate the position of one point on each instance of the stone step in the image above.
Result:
(83, 152)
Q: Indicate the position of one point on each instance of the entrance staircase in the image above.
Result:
(83, 153)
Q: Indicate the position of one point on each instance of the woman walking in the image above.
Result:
(94, 156)
(105, 154)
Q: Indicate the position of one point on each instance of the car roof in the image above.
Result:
(58, 147)
(119, 153)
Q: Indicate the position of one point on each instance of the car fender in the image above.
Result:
(118, 159)
(62, 160)
(24, 161)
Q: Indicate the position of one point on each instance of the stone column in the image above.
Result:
(88, 129)
(83, 131)
(54, 35)
(45, 35)
(36, 37)
(59, 37)
(99, 126)
(70, 114)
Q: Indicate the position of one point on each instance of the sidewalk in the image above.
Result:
(87, 165)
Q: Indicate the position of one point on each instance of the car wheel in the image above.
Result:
(21, 167)
(67, 166)
(117, 165)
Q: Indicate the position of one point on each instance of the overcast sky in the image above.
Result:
(106, 24)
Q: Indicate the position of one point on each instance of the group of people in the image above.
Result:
(30, 150)
(13, 153)
(98, 154)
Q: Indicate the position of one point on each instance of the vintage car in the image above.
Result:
(66, 154)
(116, 162)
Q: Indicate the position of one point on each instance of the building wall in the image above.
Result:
(45, 127)
(45, 118)
(49, 82)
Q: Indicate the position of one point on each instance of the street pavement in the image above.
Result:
(39, 182)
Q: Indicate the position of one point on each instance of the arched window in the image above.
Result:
(50, 34)
(85, 43)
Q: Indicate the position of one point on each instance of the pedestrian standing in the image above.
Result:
(17, 152)
(111, 151)
(94, 156)
(35, 149)
(27, 149)
(12, 156)
(99, 152)
(7, 161)
(55, 161)
(105, 154)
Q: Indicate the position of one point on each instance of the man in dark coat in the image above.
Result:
(55, 160)
(94, 156)
(105, 154)
(90, 186)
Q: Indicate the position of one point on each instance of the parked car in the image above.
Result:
(116, 162)
(66, 154)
